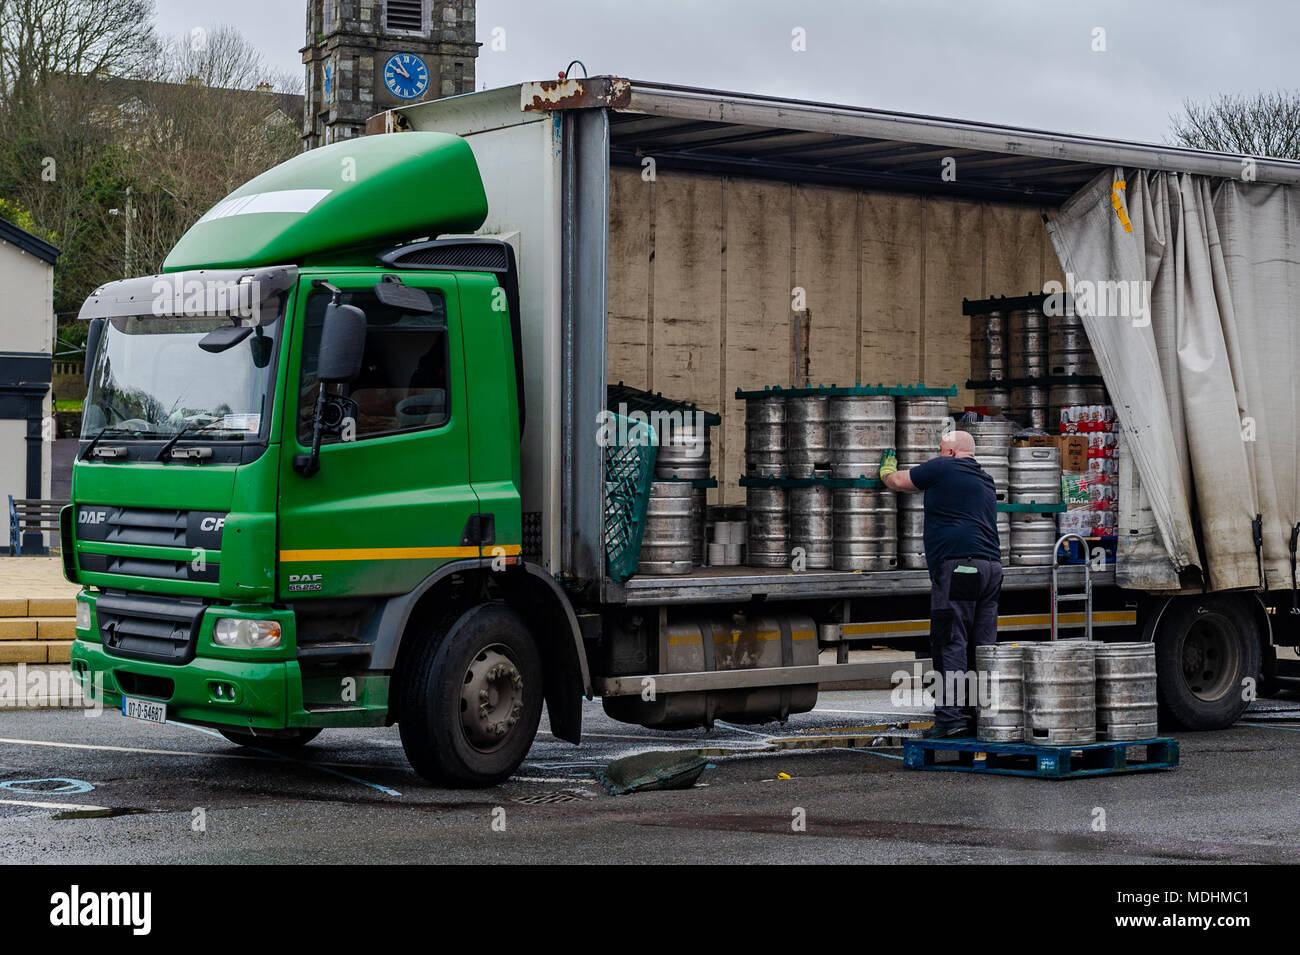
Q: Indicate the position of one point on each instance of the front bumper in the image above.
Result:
(260, 699)
(224, 687)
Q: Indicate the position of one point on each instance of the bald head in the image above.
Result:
(957, 444)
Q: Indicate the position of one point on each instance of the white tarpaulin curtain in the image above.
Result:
(1201, 363)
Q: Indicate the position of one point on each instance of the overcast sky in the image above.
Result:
(1018, 62)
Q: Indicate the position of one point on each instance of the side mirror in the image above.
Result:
(93, 334)
(342, 343)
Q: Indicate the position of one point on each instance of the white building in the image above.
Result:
(26, 366)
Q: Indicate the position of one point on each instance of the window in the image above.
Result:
(404, 371)
(405, 15)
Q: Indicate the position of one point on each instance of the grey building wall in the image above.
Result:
(26, 364)
(349, 41)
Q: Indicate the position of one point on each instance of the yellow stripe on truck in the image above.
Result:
(1011, 620)
(399, 553)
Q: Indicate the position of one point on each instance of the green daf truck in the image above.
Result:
(340, 463)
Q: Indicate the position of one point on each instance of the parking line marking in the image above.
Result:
(293, 759)
(864, 752)
(741, 729)
(52, 805)
(179, 752)
(1269, 726)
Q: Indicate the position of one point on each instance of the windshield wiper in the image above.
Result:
(171, 442)
(102, 432)
(192, 429)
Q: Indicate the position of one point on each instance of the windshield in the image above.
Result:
(151, 379)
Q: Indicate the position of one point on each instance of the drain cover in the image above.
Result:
(537, 799)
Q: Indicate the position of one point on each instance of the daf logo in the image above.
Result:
(92, 517)
(212, 523)
(299, 583)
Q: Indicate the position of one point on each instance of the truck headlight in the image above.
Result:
(246, 634)
(83, 615)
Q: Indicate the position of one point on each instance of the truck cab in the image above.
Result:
(300, 445)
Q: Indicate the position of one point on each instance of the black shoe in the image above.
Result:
(946, 731)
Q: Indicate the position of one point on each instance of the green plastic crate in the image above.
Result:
(629, 471)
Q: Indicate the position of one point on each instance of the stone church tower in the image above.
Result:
(365, 56)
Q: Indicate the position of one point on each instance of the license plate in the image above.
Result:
(151, 711)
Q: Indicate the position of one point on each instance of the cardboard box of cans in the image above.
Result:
(1089, 483)
(1074, 449)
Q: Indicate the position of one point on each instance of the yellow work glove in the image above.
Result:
(888, 463)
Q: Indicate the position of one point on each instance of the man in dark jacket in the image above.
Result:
(962, 553)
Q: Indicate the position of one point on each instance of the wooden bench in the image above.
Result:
(28, 516)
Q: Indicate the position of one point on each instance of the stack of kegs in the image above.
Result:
(865, 524)
(685, 454)
(992, 449)
(1066, 692)
(768, 527)
(922, 422)
(1035, 474)
(1028, 359)
(988, 357)
(808, 455)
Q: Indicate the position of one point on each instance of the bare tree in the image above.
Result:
(1261, 124)
(222, 58)
(41, 40)
(118, 132)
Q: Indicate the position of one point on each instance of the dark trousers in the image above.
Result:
(963, 616)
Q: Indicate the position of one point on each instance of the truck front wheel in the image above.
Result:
(472, 700)
(1206, 651)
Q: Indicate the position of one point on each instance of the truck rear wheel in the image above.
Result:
(1206, 648)
(473, 699)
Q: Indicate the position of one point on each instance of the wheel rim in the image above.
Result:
(1210, 657)
(491, 699)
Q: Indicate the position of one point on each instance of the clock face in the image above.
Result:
(406, 76)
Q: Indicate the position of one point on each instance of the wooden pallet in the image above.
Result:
(969, 755)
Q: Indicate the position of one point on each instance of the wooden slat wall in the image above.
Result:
(703, 270)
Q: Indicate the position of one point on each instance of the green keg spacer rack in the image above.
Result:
(637, 399)
(859, 482)
(918, 390)
(1042, 381)
(1032, 508)
(693, 482)
(1006, 303)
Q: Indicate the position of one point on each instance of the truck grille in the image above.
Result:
(151, 527)
(142, 525)
(207, 572)
(164, 630)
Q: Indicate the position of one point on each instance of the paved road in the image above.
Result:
(352, 798)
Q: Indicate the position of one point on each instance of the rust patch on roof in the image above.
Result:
(596, 92)
(389, 121)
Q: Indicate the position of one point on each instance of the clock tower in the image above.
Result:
(364, 56)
